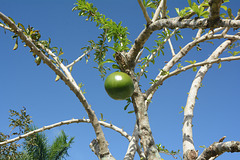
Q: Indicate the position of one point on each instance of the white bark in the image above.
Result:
(188, 144)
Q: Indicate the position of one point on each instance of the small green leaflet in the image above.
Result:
(131, 112)
(192, 62)
(57, 78)
(107, 61)
(16, 44)
(101, 119)
(219, 65)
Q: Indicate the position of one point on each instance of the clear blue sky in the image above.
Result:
(22, 83)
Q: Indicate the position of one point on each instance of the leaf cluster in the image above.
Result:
(157, 49)
(162, 149)
(35, 36)
(111, 32)
(129, 101)
(192, 62)
(37, 146)
(22, 121)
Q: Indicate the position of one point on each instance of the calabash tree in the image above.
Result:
(134, 58)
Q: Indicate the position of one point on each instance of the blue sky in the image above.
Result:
(22, 83)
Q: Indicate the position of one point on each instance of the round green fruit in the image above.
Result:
(119, 86)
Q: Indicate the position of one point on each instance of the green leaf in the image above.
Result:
(57, 78)
(205, 14)
(235, 53)
(182, 109)
(101, 119)
(224, 7)
(203, 146)
(190, 3)
(16, 44)
(11, 19)
(125, 108)
(60, 52)
(177, 10)
(219, 65)
(194, 69)
(20, 25)
(131, 112)
(179, 65)
(230, 13)
(80, 85)
(196, 9)
(115, 66)
(107, 61)
(38, 60)
(70, 68)
(164, 72)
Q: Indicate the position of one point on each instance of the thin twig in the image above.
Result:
(206, 62)
(105, 124)
(152, 56)
(80, 58)
(158, 10)
(146, 16)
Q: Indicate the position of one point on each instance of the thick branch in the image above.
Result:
(69, 81)
(214, 12)
(145, 133)
(191, 23)
(137, 46)
(218, 148)
(173, 23)
(188, 145)
(133, 146)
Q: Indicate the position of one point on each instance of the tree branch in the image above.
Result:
(191, 23)
(105, 124)
(214, 12)
(176, 58)
(104, 151)
(146, 16)
(188, 145)
(218, 148)
(133, 146)
(206, 62)
(5, 27)
(162, 6)
(170, 43)
(154, 53)
(79, 58)
(145, 133)
(173, 23)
